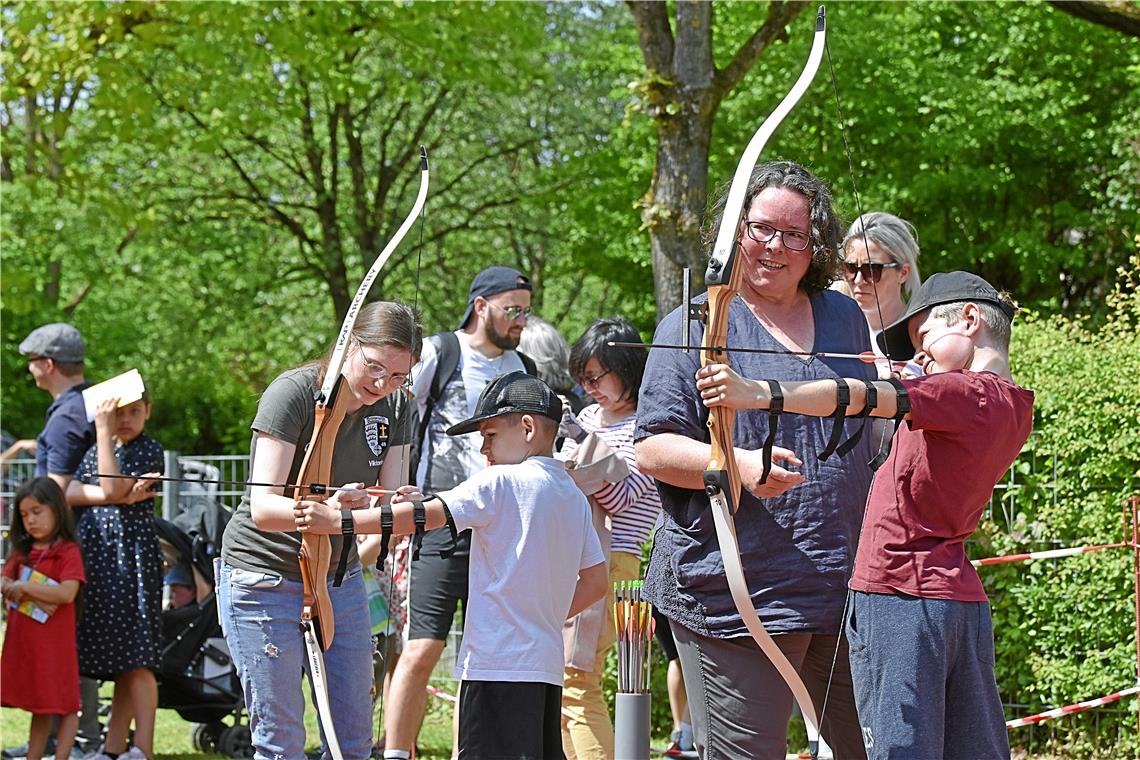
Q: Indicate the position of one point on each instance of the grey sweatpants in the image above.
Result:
(923, 671)
(740, 705)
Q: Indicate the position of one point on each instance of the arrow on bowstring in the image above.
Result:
(313, 488)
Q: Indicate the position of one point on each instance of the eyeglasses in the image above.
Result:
(793, 240)
(513, 312)
(871, 271)
(37, 358)
(590, 383)
(379, 372)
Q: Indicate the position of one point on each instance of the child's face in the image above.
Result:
(130, 420)
(38, 519)
(504, 439)
(940, 347)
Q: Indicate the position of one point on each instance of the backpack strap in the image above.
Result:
(528, 364)
(447, 346)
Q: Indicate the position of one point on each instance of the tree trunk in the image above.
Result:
(677, 206)
(681, 92)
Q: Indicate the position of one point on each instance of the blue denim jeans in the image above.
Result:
(259, 614)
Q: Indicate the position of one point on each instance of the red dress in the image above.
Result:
(39, 669)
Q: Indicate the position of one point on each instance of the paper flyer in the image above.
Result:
(127, 386)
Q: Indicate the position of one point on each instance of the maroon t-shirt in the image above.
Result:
(965, 430)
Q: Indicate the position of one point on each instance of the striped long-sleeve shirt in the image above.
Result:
(633, 502)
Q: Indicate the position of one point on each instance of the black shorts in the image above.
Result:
(664, 635)
(437, 585)
(510, 720)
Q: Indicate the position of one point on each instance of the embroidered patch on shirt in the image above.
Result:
(376, 433)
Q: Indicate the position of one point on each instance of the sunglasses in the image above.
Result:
(513, 312)
(872, 271)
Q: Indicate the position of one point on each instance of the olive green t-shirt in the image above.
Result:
(287, 412)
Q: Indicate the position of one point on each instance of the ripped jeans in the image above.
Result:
(260, 614)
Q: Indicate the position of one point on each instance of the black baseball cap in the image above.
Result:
(492, 281)
(944, 287)
(506, 394)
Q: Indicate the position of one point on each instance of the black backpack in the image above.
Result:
(447, 344)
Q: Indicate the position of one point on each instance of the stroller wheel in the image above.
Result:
(204, 736)
(235, 741)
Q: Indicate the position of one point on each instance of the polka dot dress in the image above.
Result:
(120, 620)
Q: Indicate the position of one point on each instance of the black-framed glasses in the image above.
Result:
(37, 358)
(872, 271)
(590, 383)
(513, 312)
(793, 240)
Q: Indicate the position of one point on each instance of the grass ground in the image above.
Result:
(172, 733)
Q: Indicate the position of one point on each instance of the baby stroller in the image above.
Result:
(196, 676)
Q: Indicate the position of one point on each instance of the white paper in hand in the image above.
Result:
(128, 387)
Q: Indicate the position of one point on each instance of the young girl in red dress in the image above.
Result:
(39, 667)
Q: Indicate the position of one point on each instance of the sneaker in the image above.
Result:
(96, 755)
(134, 753)
(15, 753)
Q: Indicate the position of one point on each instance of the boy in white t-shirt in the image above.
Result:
(535, 561)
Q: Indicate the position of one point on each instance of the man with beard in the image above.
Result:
(453, 370)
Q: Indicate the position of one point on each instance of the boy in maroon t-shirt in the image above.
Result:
(919, 628)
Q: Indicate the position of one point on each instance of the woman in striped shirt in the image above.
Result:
(625, 513)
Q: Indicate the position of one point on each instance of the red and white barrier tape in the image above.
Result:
(441, 694)
(1048, 554)
(1070, 709)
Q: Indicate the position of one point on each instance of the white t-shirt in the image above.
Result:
(531, 534)
(454, 459)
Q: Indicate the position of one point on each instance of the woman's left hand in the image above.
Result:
(720, 385)
(317, 517)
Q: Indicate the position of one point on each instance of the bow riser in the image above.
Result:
(316, 551)
(723, 279)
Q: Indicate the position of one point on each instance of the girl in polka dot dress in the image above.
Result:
(119, 632)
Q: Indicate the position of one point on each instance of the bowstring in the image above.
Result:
(405, 460)
(886, 352)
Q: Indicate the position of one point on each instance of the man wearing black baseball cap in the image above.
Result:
(454, 369)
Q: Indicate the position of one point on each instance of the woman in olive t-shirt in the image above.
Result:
(260, 593)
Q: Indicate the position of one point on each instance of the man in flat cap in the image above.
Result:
(55, 360)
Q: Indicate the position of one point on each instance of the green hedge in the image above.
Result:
(1065, 629)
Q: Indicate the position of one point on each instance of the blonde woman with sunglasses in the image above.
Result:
(880, 268)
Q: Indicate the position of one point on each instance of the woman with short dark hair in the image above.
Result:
(625, 511)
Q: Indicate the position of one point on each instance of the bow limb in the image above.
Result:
(317, 623)
(722, 478)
